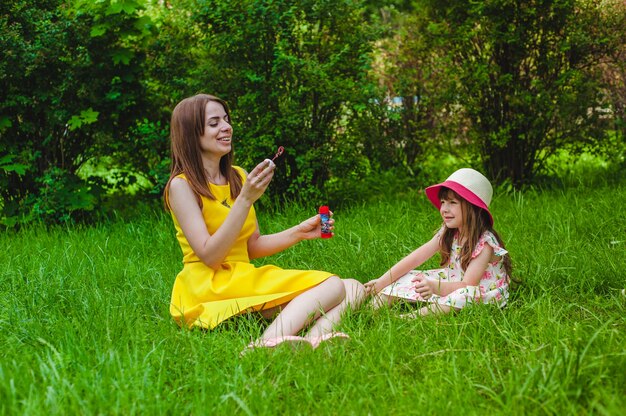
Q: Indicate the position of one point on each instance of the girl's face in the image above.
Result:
(218, 132)
(452, 212)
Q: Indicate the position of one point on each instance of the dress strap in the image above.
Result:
(490, 239)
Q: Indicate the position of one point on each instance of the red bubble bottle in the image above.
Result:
(325, 221)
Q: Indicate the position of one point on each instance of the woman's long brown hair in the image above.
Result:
(186, 128)
(475, 222)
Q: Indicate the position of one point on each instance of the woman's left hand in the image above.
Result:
(257, 181)
(312, 227)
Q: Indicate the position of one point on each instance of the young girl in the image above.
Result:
(211, 202)
(475, 265)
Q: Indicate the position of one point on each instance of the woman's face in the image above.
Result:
(218, 132)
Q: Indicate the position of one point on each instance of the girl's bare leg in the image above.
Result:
(432, 309)
(355, 294)
(306, 307)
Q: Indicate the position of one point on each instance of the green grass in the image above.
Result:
(85, 329)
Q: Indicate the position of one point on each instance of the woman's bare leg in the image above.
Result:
(379, 300)
(355, 294)
(306, 307)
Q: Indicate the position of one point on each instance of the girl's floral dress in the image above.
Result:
(492, 288)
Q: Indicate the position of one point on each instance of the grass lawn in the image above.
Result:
(85, 329)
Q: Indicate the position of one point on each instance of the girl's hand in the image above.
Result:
(374, 286)
(425, 287)
(370, 287)
(312, 227)
(258, 180)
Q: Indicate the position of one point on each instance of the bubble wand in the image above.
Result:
(279, 152)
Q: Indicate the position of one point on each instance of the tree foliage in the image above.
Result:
(70, 87)
(290, 70)
(359, 92)
(613, 65)
(524, 77)
(411, 112)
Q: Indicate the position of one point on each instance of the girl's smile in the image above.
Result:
(451, 212)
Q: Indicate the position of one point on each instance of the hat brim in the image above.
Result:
(432, 192)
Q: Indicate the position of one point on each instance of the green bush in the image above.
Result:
(526, 76)
(289, 70)
(70, 88)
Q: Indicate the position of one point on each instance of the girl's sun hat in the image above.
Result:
(470, 184)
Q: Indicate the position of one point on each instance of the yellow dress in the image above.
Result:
(205, 297)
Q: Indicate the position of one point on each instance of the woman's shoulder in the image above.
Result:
(178, 189)
(179, 183)
(240, 170)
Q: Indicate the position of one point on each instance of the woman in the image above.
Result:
(211, 202)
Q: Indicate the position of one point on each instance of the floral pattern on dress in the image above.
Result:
(492, 288)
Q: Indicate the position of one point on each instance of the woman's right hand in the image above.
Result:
(258, 180)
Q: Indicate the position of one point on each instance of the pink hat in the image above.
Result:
(471, 185)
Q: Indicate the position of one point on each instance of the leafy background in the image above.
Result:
(366, 96)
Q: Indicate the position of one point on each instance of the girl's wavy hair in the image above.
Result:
(475, 223)
(186, 127)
